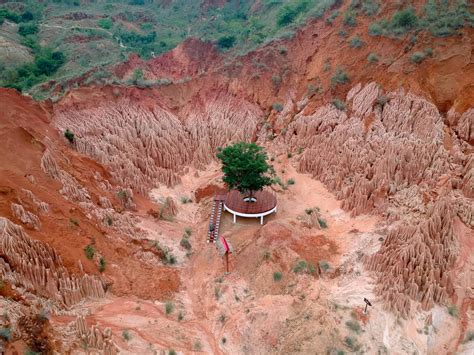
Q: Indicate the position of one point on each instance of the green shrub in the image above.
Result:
(105, 23)
(300, 267)
(276, 80)
(469, 337)
(185, 243)
(445, 18)
(291, 181)
(350, 18)
(89, 251)
(102, 264)
(277, 276)
(342, 33)
(453, 311)
(226, 42)
(339, 77)
(417, 57)
(340, 105)
(324, 265)
(169, 307)
(375, 29)
(5, 333)
(69, 135)
(405, 19)
(370, 7)
(372, 58)
(188, 231)
(354, 326)
(185, 200)
(356, 42)
(171, 352)
(28, 29)
(322, 223)
(352, 343)
(289, 12)
(381, 101)
(9, 15)
(277, 107)
(332, 17)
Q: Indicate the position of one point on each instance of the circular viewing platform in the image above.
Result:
(263, 203)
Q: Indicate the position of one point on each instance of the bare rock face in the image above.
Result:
(385, 145)
(29, 219)
(145, 146)
(414, 262)
(387, 155)
(42, 207)
(95, 338)
(170, 209)
(36, 267)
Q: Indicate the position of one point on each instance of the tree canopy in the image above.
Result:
(245, 167)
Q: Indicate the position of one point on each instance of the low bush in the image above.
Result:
(226, 42)
(417, 57)
(169, 307)
(350, 18)
(354, 326)
(372, 58)
(277, 276)
(339, 77)
(105, 23)
(89, 251)
(126, 335)
(356, 42)
(340, 105)
(69, 135)
(277, 107)
(102, 264)
(185, 243)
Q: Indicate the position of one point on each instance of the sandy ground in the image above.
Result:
(248, 311)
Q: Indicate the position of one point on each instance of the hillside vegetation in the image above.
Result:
(67, 38)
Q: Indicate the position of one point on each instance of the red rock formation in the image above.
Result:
(36, 267)
(374, 152)
(414, 263)
(95, 338)
(145, 145)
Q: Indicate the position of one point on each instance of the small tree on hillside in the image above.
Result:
(245, 167)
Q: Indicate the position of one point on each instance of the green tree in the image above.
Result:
(245, 167)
